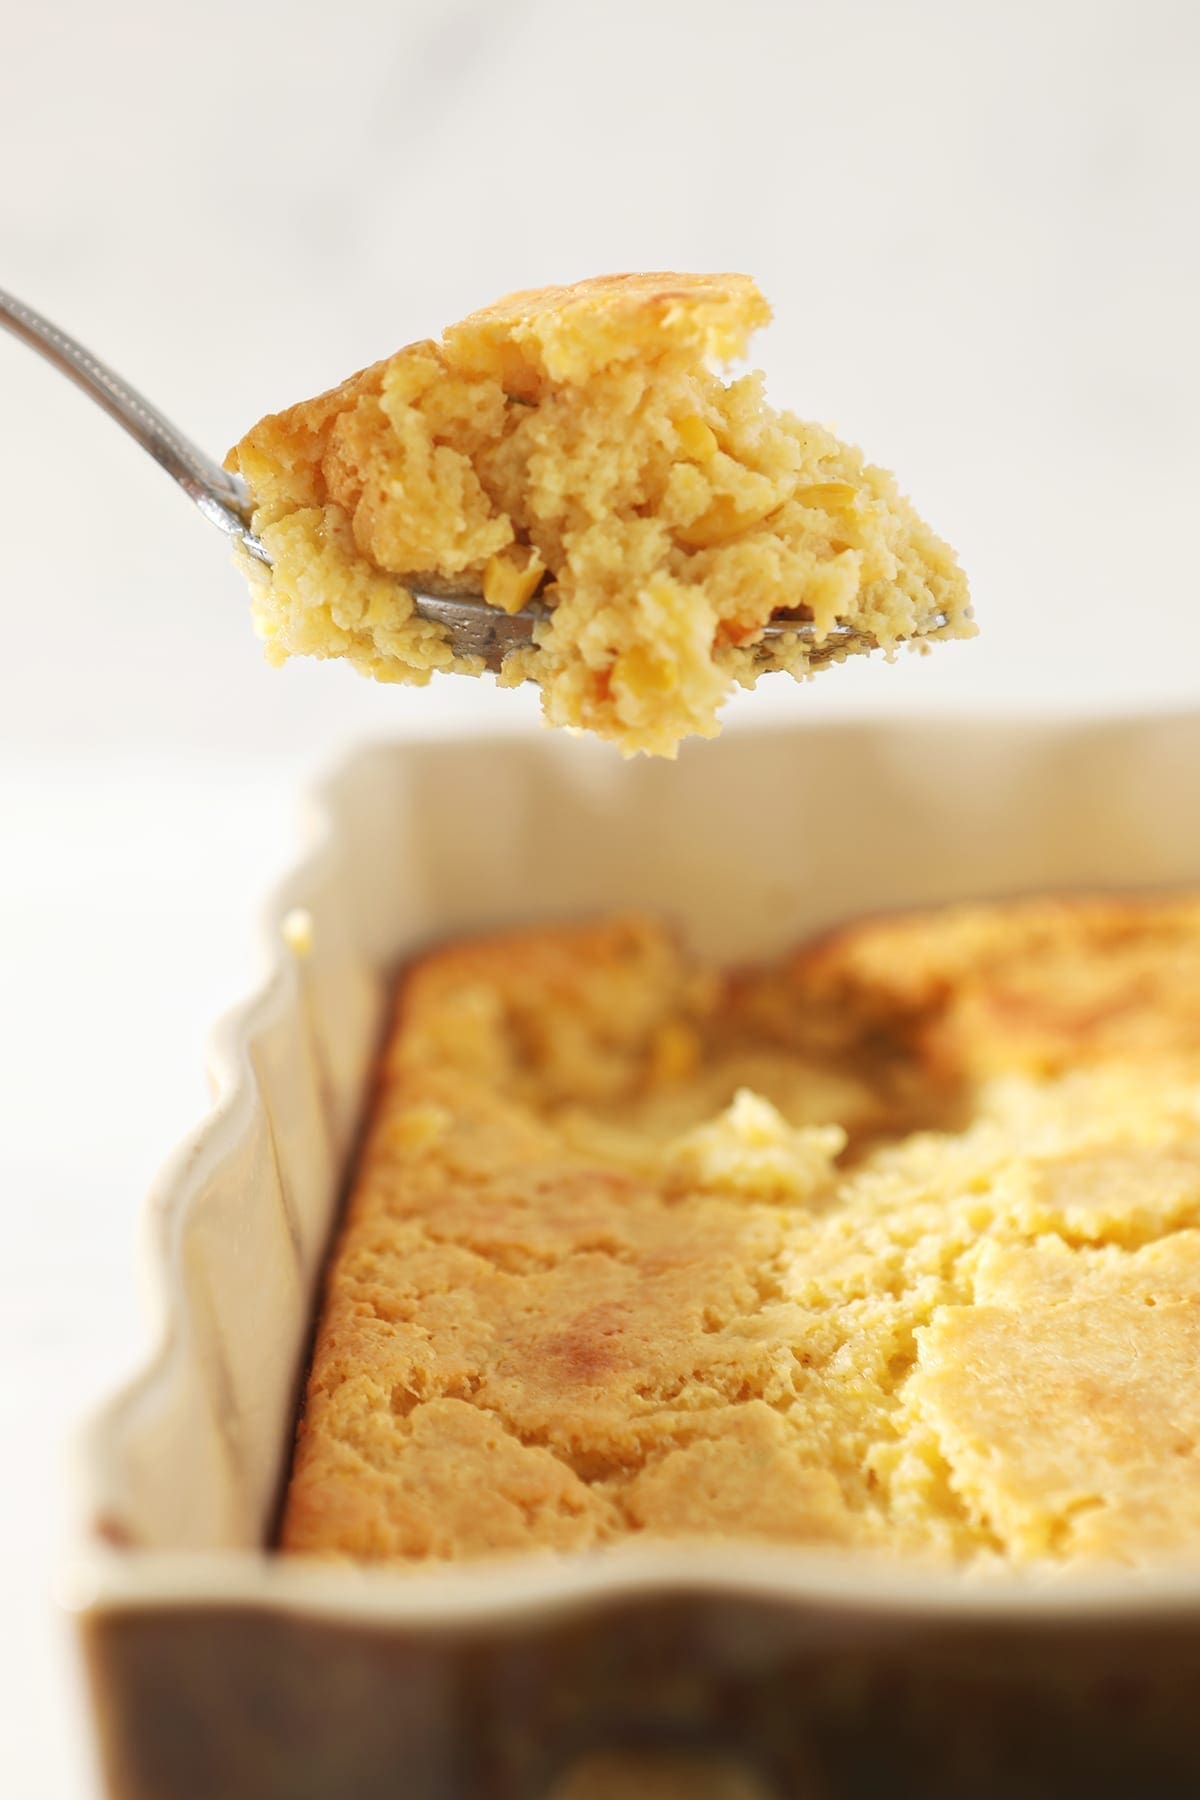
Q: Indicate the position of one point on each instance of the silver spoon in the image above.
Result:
(474, 628)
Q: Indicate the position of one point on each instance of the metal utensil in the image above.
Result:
(474, 628)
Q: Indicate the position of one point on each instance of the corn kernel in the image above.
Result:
(643, 674)
(721, 521)
(296, 930)
(674, 1053)
(831, 495)
(419, 1126)
(696, 438)
(511, 578)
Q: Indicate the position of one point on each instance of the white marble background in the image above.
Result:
(977, 223)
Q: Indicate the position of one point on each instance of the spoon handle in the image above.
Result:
(221, 497)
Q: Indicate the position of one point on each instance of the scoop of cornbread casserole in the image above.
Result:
(580, 445)
(893, 1246)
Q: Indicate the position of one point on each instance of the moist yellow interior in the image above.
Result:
(581, 444)
(893, 1246)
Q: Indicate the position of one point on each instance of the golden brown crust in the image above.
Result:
(566, 334)
(1066, 1396)
(285, 452)
(929, 1285)
(1039, 985)
(643, 291)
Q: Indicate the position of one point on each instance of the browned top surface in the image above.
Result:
(934, 1291)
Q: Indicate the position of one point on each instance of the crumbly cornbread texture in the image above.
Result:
(579, 444)
(894, 1246)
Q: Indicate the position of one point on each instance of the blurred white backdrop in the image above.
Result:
(977, 224)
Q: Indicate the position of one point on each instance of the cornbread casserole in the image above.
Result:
(894, 1245)
(577, 443)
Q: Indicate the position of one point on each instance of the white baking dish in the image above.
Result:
(221, 1670)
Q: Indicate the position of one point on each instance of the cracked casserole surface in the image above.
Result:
(895, 1245)
(579, 443)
